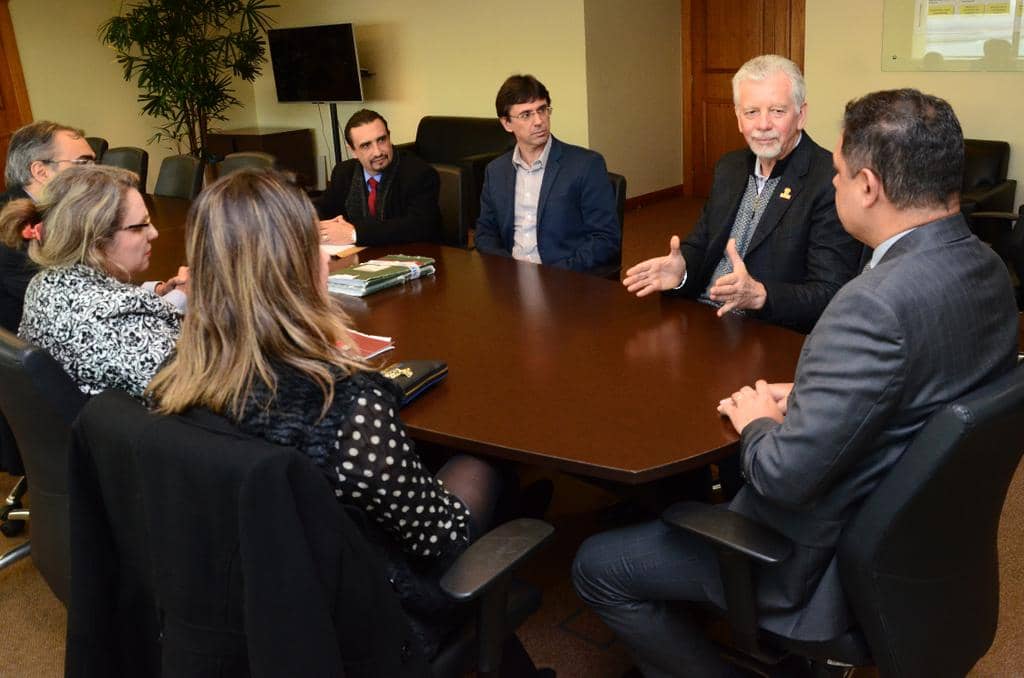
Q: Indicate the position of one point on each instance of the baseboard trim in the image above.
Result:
(653, 197)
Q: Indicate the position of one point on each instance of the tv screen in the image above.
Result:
(315, 63)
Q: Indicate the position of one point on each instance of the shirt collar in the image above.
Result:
(539, 163)
(881, 250)
(367, 176)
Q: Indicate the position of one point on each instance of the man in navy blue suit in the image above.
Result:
(546, 201)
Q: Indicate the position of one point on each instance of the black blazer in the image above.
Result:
(197, 551)
(16, 270)
(799, 251)
(410, 206)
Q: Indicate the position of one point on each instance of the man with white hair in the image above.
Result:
(768, 242)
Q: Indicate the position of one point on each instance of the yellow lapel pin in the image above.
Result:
(786, 194)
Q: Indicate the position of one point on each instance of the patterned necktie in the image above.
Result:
(372, 200)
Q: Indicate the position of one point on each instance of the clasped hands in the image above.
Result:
(337, 231)
(736, 290)
(754, 402)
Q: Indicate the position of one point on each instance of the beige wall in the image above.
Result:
(842, 64)
(445, 58)
(634, 79)
(73, 79)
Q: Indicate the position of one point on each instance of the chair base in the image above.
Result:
(14, 555)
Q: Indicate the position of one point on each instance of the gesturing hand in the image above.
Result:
(657, 274)
(737, 290)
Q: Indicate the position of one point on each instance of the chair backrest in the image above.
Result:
(455, 201)
(40, 401)
(181, 176)
(233, 162)
(200, 551)
(99, 146)
(918, 561)
(130, 158)
(613, 269)
(448, 139)
(985, 162)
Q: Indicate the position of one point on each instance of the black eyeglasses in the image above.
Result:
(137, 227)
(73, 161)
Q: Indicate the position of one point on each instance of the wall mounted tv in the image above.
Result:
(315, 63)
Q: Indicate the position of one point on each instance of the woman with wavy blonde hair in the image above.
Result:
(260, 346)
(91, 237)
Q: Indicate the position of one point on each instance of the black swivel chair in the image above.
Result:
(918, 562)
(40, 401)
(99, 146)
(181, 176)
(233, 162)
(129, 158)
(246, 572)
(455, 202)
(613, 269)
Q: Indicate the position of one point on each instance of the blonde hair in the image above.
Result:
(81, 211)
(255, 301)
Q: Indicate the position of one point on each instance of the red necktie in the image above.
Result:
(372, 200)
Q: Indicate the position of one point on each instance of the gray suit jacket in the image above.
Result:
(935, 318)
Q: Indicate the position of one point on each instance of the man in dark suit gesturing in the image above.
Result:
(545, 201)
(768, 242)
(931, 318)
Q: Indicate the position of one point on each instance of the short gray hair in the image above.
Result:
(761, 67)
(32, 142)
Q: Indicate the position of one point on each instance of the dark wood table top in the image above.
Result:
(569, 371)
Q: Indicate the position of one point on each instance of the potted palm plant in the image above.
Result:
(183, 55)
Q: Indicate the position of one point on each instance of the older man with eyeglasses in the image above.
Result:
(545, 201)
(37, 153)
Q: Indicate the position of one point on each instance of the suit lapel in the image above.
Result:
(788, 189)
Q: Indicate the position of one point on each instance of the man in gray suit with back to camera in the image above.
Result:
(931, 318)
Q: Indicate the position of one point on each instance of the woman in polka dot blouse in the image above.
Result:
(260, 345)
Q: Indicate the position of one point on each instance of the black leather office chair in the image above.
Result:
(40, 401)
(233, 162)
(614, 269)
(130, 158)
(99, 146)
(181, 176)
(466, 143)
(918, 562)
(203, 551)
(455, 201)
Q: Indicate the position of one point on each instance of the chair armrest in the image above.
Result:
(730, 530)
(494, 555)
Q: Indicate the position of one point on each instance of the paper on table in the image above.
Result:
(369, 345)
(341, 250)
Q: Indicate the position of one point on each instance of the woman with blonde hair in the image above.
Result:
(91, 238)
(260, 346)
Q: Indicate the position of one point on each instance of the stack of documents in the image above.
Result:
(368, 346)
(378, 274)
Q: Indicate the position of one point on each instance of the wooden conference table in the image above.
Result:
(569, 371)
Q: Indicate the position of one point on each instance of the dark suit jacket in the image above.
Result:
(577, 224)
(935, 319)
(410, 212)
(16, 269)
(799, 251)
(197, 551)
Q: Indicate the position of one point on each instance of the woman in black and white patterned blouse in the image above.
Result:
(260, 345)
(91, 236)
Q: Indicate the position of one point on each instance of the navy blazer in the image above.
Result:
(577, 224)
(799, 251)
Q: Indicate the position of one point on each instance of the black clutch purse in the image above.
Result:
(414, 377)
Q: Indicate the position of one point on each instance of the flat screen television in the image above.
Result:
(315, 63)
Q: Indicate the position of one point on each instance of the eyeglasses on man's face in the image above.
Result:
(74, 161)
(526, 116)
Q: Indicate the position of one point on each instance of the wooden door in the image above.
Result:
(718, 37)
(14, 106)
